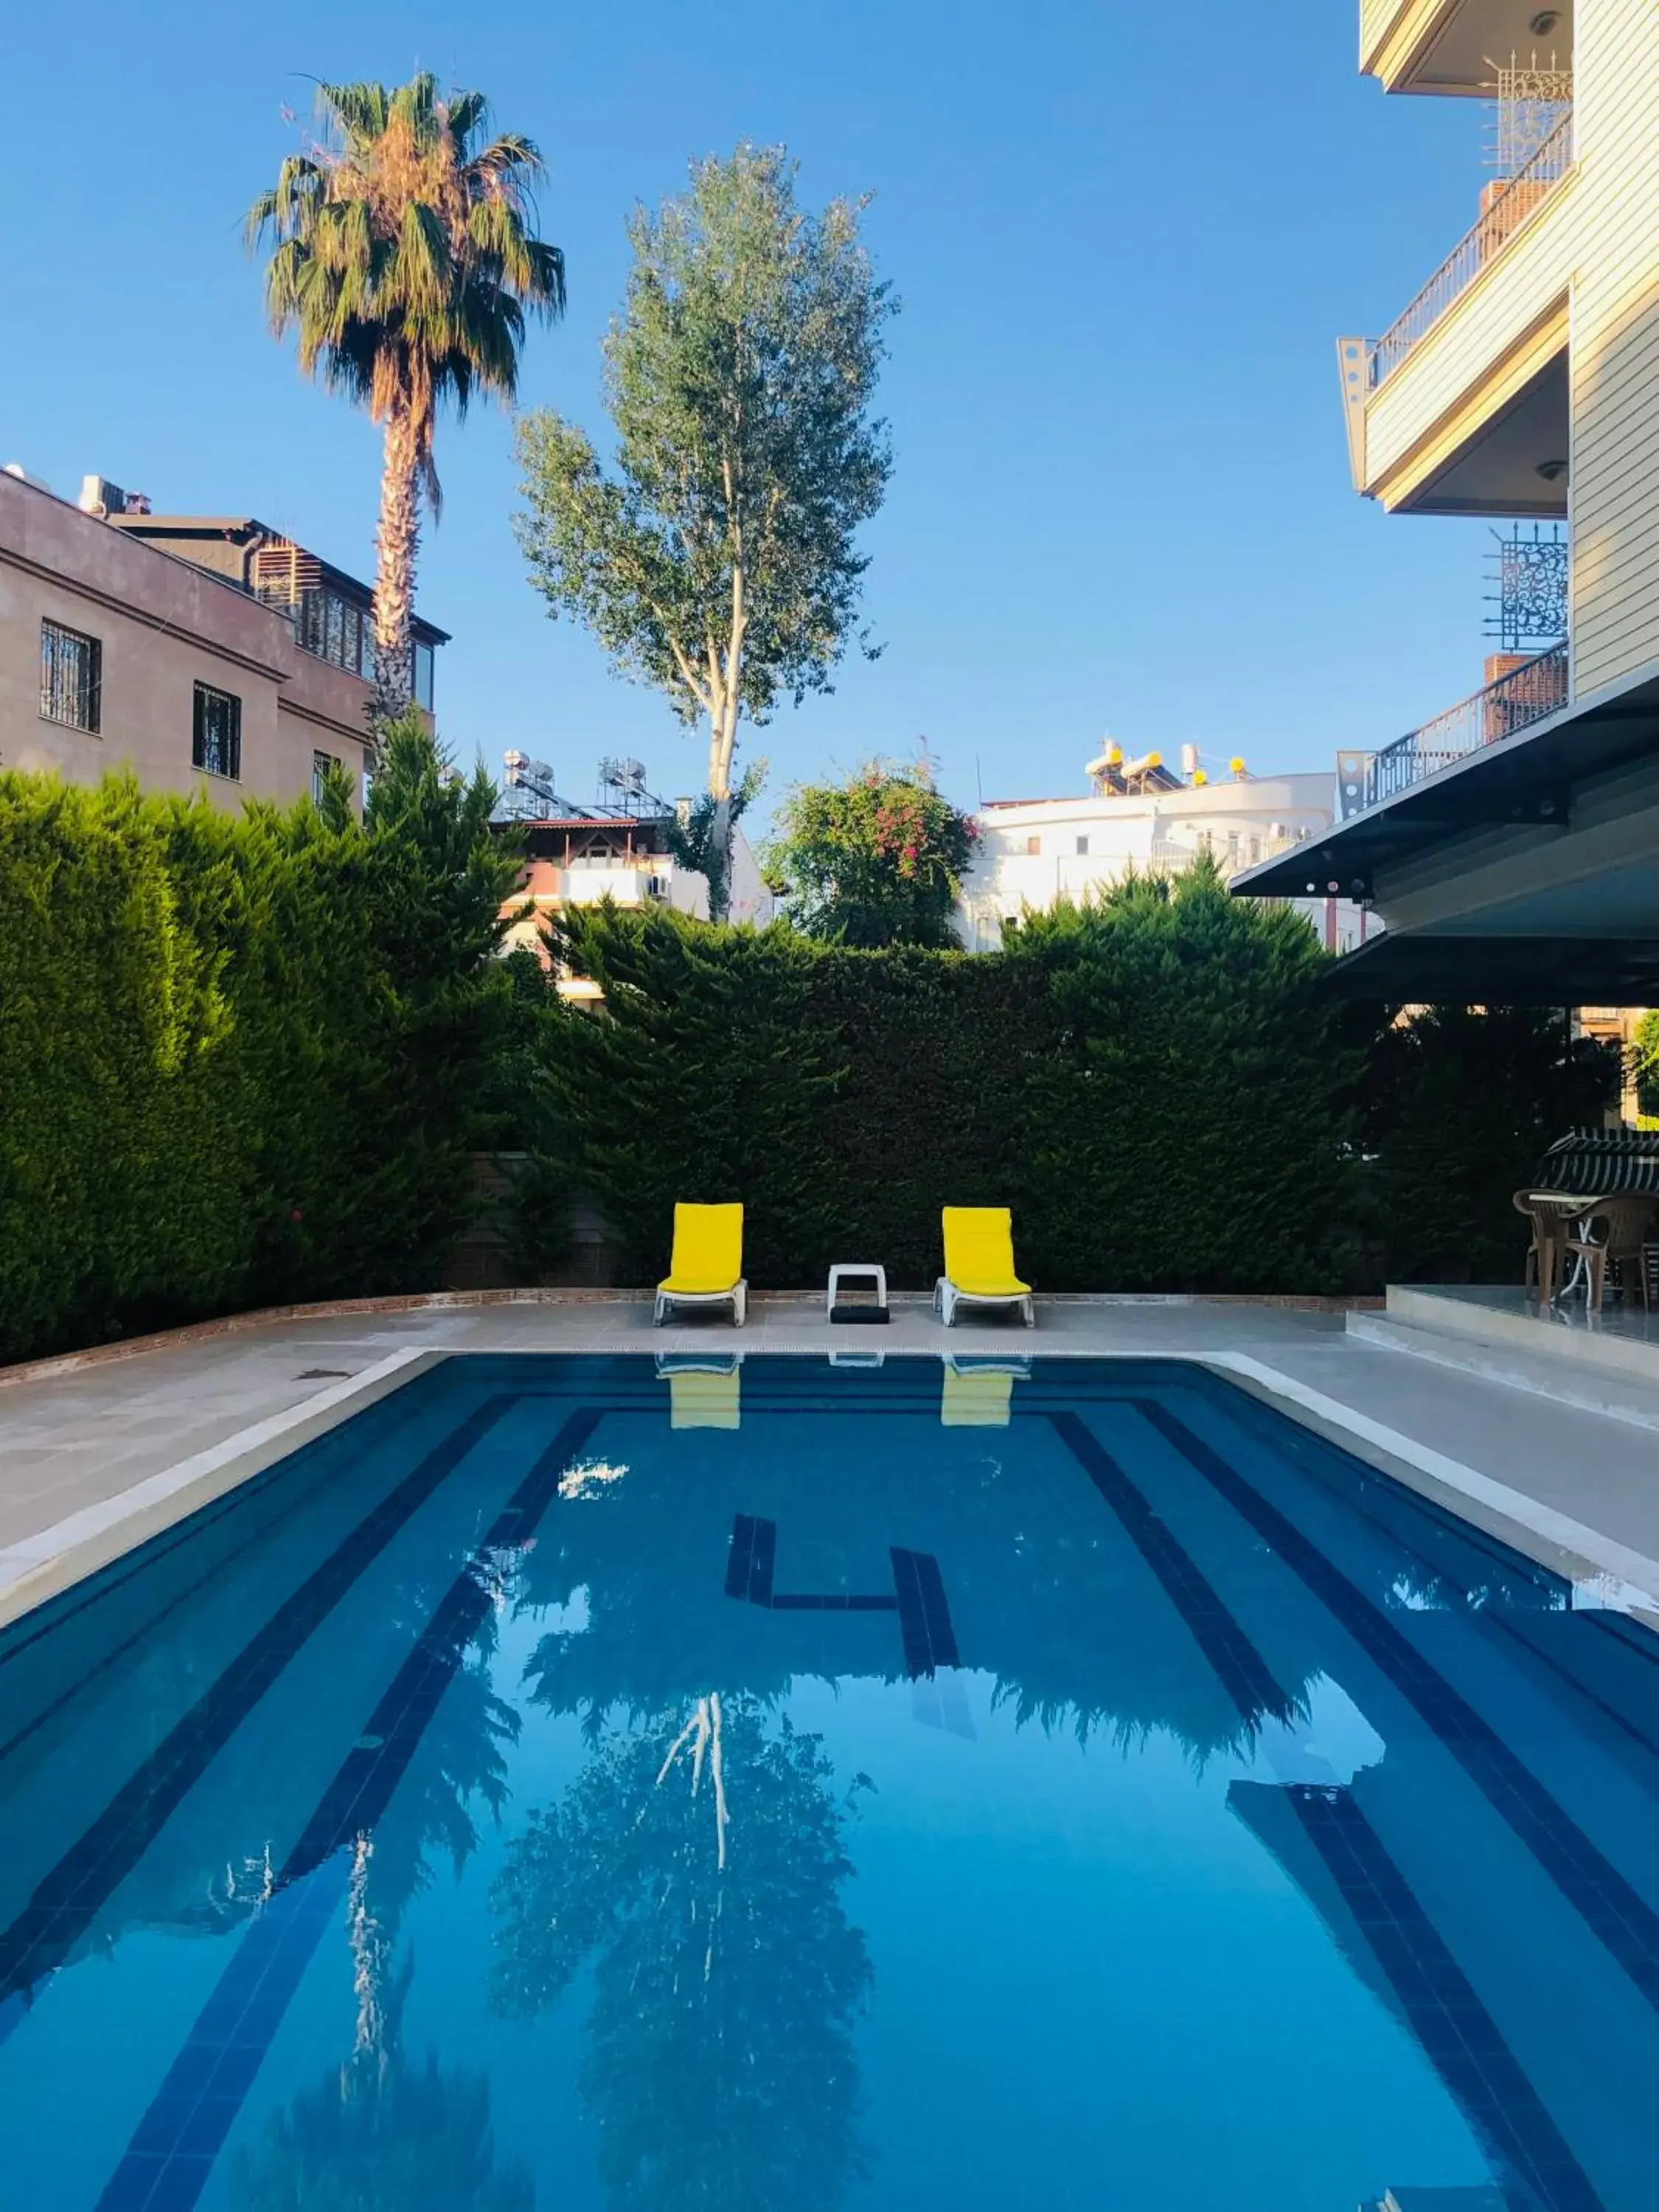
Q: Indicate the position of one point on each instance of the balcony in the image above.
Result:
(1443, 46)
(1521, 696)
(1504, 215)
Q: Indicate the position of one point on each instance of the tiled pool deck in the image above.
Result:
(95, 1456)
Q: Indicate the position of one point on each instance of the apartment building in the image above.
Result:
(1510, 841)
(205, 653)
(617, 848)
(1139, 815)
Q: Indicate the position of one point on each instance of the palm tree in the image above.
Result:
(404, 260)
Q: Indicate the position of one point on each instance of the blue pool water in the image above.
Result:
(567, 1785)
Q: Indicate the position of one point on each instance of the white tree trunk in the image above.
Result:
(723, 744)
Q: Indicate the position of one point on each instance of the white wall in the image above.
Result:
(1243, 822)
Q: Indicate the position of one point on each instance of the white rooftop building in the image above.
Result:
(1139, 815)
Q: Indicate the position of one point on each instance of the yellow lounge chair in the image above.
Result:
(979, 1263)
(707, 1264)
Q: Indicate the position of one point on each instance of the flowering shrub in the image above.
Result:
(876, 861)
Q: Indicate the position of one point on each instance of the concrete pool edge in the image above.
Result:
(1602, 1571)
(43, 1565)
(1604, 1574)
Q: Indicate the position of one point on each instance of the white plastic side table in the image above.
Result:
(864, 1268)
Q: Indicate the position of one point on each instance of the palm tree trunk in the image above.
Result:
(395, 546)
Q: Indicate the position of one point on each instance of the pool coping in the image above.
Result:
(440, 1302)
(1602, 1573)
(55, 1559)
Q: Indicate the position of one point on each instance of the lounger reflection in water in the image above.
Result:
(979, 1394)
(705, 1391)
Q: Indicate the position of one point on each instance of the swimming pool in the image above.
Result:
(567, 1784)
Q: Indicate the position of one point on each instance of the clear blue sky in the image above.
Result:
(1125, 239)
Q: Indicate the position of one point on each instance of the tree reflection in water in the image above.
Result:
(698, 1861)
(382, 2132)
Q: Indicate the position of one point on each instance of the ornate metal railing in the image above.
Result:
(1525, 694)
(1499, 221)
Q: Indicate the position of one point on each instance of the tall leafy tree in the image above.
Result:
(404, 260)
(876, 861)
(718, 560)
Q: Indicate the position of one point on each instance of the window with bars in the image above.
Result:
(71, 677)
(217, 739)
(321, 763)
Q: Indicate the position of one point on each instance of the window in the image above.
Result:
(216, 740)
(1033, 845)
(320, 765)
(337, 630)
(1082, 847)
(71, 677)
(422, 684)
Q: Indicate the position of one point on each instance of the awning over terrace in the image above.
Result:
(1525, 780)
(1407, 968)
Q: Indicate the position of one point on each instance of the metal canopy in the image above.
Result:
(1409, 969)
(1526, 779)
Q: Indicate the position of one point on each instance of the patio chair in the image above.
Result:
(979, 1263)
(707, 1269)
(1625, 1223)
(1554, 1215)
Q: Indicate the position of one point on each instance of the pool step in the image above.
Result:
(1496, 1357)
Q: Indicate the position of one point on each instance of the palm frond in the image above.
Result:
(359, 112)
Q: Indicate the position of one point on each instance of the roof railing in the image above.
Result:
(1506, 215)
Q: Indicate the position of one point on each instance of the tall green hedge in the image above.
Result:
(1148, 1083)
(242, 1058)
(1152, 1084)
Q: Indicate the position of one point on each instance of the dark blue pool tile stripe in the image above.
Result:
(740, 1557)
(763, 1562)
(1463, 2041)
(1459, 2036)
(752, 1563)
(832, 1601)
(168, 2162)
(172, 2153)
(925, 1626)
(1591, 1884)
(1243, 1671)
(70, 1896)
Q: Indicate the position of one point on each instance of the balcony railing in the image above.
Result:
(1507, 213)
(1524, 696)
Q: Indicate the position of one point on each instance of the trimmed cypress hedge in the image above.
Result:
(1150, 1083)
(1147, 1083)
(242, 1059)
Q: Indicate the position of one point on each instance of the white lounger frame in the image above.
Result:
(947, 1298)
(737, 1298)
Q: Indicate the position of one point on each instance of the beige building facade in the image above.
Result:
(1510, 841)
(148, 644)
